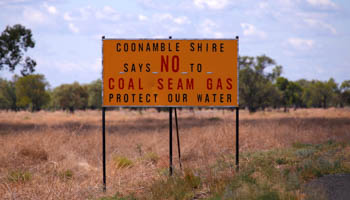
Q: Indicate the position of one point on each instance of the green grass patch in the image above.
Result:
(151, 157)
(66, 174)
(122, 162)
(281, 161)
(178, 186)
(299, 145)
(214, 119)
(192, 180)
(26, 118)
(19, 176)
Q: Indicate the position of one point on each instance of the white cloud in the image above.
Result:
(108, 9)
(33, 16)
(251, 30)
(218, 35)
(79, 15)
(208, 28)
(207, 25)
(211, 4)
(301, 44)
(73, 28)
(107, 13)
(288, 3)
(321, 24)
(167, 23)
(181, 20)
(67, 17)
(161, 17)
(142, 17)
(167, 16)
(51, 9)
(263, 5)
(89, 13)
(85, 12)
(322, 3)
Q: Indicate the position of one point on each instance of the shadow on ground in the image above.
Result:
(151, 124)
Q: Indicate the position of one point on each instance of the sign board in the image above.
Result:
(170, 73)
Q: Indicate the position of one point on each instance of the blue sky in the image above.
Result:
(309, 38)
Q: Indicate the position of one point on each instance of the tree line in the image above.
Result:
(258, 89)
(31, 92)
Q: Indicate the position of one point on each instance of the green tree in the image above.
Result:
(320, 93)
(296, 92)
(345, 93)
(335, 93)
(272, 96)
(70, 97)
(282, 85)
(31, 92)
(291, 93)
(255, 86)
(7, 95)
(276, 73)
(345, 85)
(305, 94)
(14, 41)
(95, 94)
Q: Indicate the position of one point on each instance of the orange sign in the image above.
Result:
(170, 73)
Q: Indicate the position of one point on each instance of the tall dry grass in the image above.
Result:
(57, 155)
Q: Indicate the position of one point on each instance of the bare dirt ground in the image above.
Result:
(57, 155)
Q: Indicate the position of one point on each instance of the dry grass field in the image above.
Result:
(57, 155)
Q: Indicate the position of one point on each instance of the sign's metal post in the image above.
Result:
(237, 138)
(171, 141)
(104, 148)
(178, 139)
(170, 137)
(237, 109)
